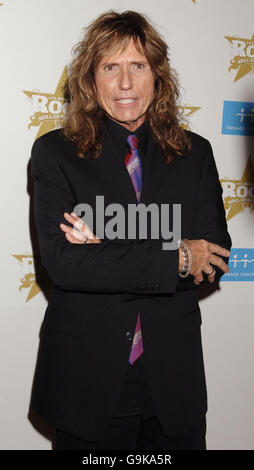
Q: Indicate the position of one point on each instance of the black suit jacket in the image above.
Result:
(99, 288)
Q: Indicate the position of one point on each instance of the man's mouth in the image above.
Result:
(125, 100)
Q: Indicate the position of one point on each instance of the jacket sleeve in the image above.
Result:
(211, 222)
(134, 266)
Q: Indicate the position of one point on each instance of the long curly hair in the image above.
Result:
(84, 117)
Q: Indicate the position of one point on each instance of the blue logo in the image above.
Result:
(241, 265)
(238, 118)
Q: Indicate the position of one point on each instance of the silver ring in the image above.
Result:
(212, 272)
(85, 240)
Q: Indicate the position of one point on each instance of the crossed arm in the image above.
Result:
(204, 253)
(132, 266)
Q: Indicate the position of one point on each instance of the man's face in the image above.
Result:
(125, 86)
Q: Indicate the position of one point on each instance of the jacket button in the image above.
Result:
(128, 335)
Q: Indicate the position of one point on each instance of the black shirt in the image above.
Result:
(119, 135)
(135, 397)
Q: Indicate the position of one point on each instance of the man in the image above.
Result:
(120, 363)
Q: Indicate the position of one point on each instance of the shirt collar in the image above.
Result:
(120, 134)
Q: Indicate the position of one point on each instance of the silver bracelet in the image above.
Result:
(187, 257)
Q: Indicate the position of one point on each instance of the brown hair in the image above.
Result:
(83, 123)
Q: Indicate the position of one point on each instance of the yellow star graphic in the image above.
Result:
(239, 193)
(242, 61)
(47, 122)
(28, 280)
(186, 111)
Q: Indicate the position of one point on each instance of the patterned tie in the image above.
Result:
(133, 164)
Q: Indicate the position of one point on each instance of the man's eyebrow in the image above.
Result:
(109, 63)
(135, 62)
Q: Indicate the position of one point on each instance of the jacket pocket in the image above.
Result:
(64, 321)
(191, 320)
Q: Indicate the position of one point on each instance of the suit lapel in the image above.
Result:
(154, 174)
(115, 171)
(118, 181)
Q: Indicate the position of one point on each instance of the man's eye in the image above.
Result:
(109, 68)
(139, 66)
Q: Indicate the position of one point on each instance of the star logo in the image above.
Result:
(243, 56)
(48, 109)
(239, 194)
(28, 280)
(186, 111)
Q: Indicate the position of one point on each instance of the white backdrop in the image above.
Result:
(36, 37)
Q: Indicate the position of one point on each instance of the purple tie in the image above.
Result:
(133, 164)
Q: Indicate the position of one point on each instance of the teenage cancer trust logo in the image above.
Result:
(238, 118)
(243, 56)
(238, 195)
(241, 265)
(48, 109)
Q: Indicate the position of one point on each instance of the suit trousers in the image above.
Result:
(134, 424)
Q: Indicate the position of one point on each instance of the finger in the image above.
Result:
(211, 278)
(66, 228)
(79, 223)
(210, 271)
(218, 249)
(72, 239)
(198, 279)
(72, 231)
(80, 226)
(85, 228)
(75, 221)
(217, 261)
(72, 215)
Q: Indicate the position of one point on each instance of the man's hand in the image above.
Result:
(203, 253)
(80, 231)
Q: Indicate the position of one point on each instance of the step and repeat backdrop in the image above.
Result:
(212, 48)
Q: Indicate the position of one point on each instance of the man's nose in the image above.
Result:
(125, 79)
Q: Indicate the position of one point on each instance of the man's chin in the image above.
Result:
(126, 119)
